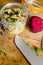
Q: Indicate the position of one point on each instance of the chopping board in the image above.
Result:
(9, 53)
(33, 39)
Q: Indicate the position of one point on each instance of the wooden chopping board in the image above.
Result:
(9, 53)
(33, 39)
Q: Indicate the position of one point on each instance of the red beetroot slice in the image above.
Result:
(37, 30)
(42, 24)
(36, 27)
(36, 24)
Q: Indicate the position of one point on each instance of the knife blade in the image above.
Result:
(28, 52)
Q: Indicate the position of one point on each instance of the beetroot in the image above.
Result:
(36, 24)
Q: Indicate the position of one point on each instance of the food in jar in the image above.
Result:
(14, 14)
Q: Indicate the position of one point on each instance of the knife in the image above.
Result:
(29, 53)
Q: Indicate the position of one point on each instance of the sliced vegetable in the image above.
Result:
(7, 13)
(14, 20)
(36, 24)
(38, 51)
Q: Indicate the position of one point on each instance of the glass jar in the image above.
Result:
(34, 5)
(17, 27)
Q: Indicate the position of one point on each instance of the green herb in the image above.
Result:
(14, 20)
(38, 51)
(7, 13)
(0, 52)
(5, 54)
